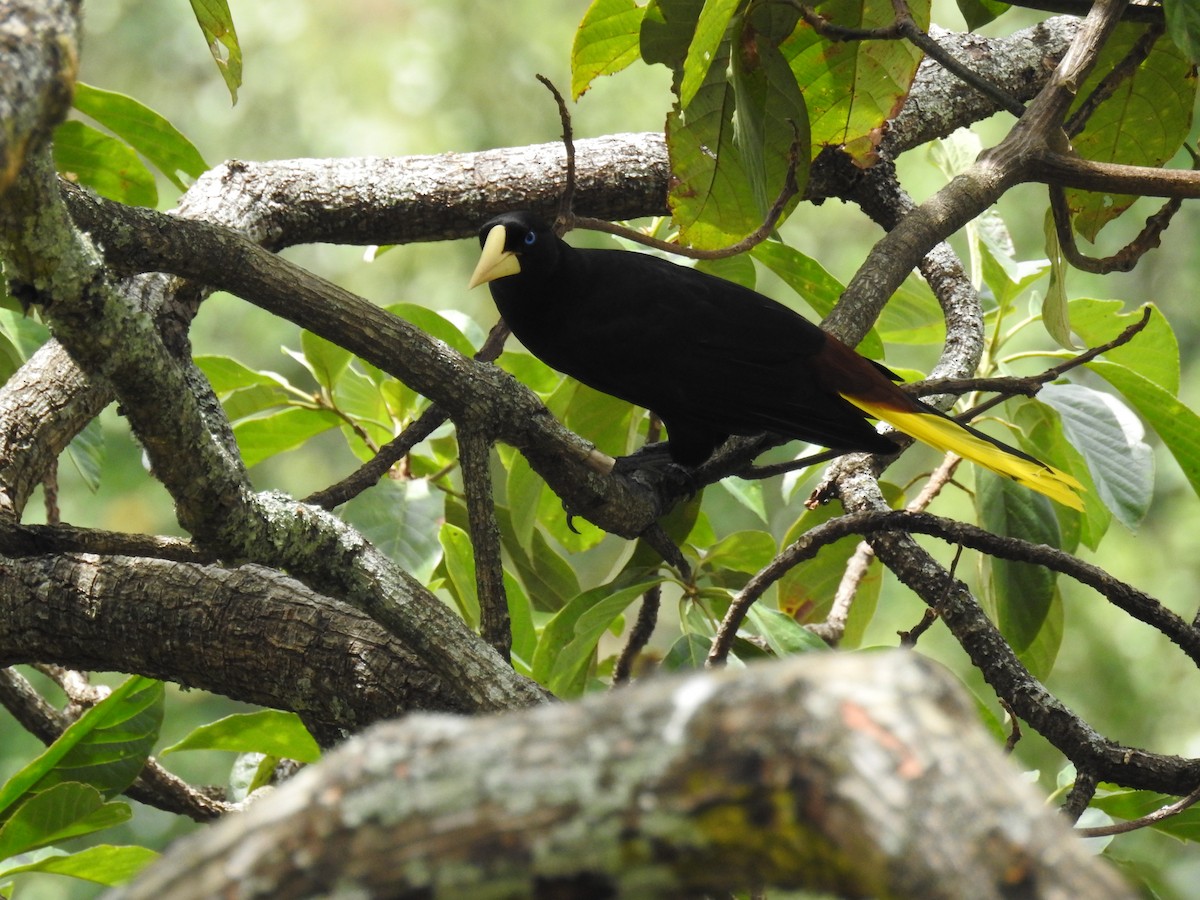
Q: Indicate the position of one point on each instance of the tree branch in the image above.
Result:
(844, 773)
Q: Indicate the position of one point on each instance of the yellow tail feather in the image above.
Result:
(948, 436)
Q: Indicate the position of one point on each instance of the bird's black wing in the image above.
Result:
(699, 351)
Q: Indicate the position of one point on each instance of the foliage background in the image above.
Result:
(398, 77)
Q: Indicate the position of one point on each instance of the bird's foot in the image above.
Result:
(652, 464)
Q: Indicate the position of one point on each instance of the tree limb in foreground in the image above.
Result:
(865, 775)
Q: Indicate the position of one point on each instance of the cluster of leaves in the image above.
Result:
(67, 792)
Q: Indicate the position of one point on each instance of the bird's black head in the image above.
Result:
(515, 243)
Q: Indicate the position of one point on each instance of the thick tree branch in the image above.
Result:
(861, 775)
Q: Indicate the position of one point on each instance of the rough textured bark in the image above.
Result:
(867, 775)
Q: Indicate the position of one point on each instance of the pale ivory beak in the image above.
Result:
(494, 262)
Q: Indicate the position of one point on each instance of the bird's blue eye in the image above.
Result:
(530, 239)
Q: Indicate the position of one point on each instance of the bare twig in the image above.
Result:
(562, 222)
(474, 451)
(639, 637)
(1014, 734)
(1125, 597)
(1159, 815)
(393, 451)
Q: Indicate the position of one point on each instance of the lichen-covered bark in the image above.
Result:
(866, 775)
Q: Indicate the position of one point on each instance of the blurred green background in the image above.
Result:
(392, 78)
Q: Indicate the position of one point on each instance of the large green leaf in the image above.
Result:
(56, 814)
(852, 88)
(1175, 423)
(401, 519)
(1110, 437)
(459, 558)
(783, 634)
(667, 29)
(1023, 597)
(269, 731)
(978, 13)
(1183, 25)
(711, 198)
(1129, 805)
(144, 130)
(606, 41)
(108, 166)
(1154, 351)
(770, 114)
(568, 642)
(324, 359)
(266, 436)
(103, 864)
(702, 53)
(216, 24)
(1143, 123)
(106, 747)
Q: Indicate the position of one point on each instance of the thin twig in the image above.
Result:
(1159, 815)
(1014, 734)
(474, 455)
(1132, 601)
(562, 222)
(639, 636)
(368, 474)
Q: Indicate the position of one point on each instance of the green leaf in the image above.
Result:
(216, 24)
(520, 616)
(326, 360)
(268, 731)
(702, 52)
(104, 864)
(711, 199)
(667, 29)
(1143, 123)
(106, 747)
(548, 578)
(783, 634)
(687, 653)
(852, 88)
(749, 494)
(806, 592)
(602, 419)
(108, 166)
(460, 565)
(86, 452)
(1175, 423)
(569, 639)
(1110, 437)
(401, 518)
(266, 436)
(816, 287)
(1183, 25)
(227, 375)
(1055, 314)
(770, 115)
(1023, 596)
(524, 489)
(143, 129)
(435, 325)
(742, 551)
(607, 40)
(978, 13)
(56, 814)
(1154, 351)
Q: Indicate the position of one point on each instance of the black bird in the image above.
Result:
(709, 357)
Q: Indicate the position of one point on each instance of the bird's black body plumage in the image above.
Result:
(709, 357)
